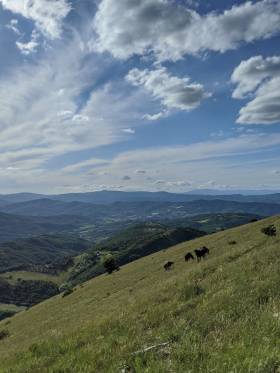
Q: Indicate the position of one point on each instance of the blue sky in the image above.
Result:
(139, 95)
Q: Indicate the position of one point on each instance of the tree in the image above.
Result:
(110, 264)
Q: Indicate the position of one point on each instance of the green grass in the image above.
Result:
(13, 277)
(222, 315)
(11, 307)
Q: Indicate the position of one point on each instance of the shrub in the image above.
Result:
(5, 313)
(4, 334)
(67, 291)
(110, 264)
(269, 230)
(233, 242)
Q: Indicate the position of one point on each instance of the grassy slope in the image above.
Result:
(13, 277)
(222, 315)
(128, 245)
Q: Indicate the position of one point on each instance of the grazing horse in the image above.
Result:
(206, 250)
(189, 256)
(201, 253)
(168, 265)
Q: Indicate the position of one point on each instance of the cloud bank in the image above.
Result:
(125, 28)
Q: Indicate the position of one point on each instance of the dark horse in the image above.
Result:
(201, 253)
(168, 265)
(189, 256)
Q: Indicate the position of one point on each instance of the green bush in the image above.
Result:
(270, 230)
(68, 290)
(110, 264)
(4, 334)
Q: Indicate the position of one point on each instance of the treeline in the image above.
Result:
(26, 293)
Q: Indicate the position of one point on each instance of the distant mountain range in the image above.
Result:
(144, 210)
(109, 197)
(97, 215)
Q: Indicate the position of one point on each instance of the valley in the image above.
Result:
(72, 248)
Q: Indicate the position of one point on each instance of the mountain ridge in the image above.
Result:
(109, 197)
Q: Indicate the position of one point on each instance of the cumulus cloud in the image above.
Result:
(258, 78)
(252, 72)
(173, 92)
(169, 31)
(48, 15)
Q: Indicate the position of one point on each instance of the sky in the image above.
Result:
(172, 95)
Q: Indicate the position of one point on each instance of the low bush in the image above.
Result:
(4, 334)
(67, 292)
(270, 230)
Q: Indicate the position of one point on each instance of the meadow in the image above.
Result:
(220, 315)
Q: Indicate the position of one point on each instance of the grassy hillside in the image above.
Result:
(221, 315)
(211, 223)
(103, 229)
(128, 245)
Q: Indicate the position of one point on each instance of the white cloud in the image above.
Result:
(173, 92)
(13, 25)
(65, 113)
(195, 163)
(87, 164)
(141, 172)
(258, 78)
(48, 15)
(80, 118)
(252, 72)
(157, 116)
(126, 178)
(168, 30)
(128, 130)
(30, 46)
(240, 145)
(41, 118)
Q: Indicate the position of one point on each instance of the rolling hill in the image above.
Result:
(37, 251)
(138, 210)
(128, 245)
(15, 226)
(220, 315)
(104, 197)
